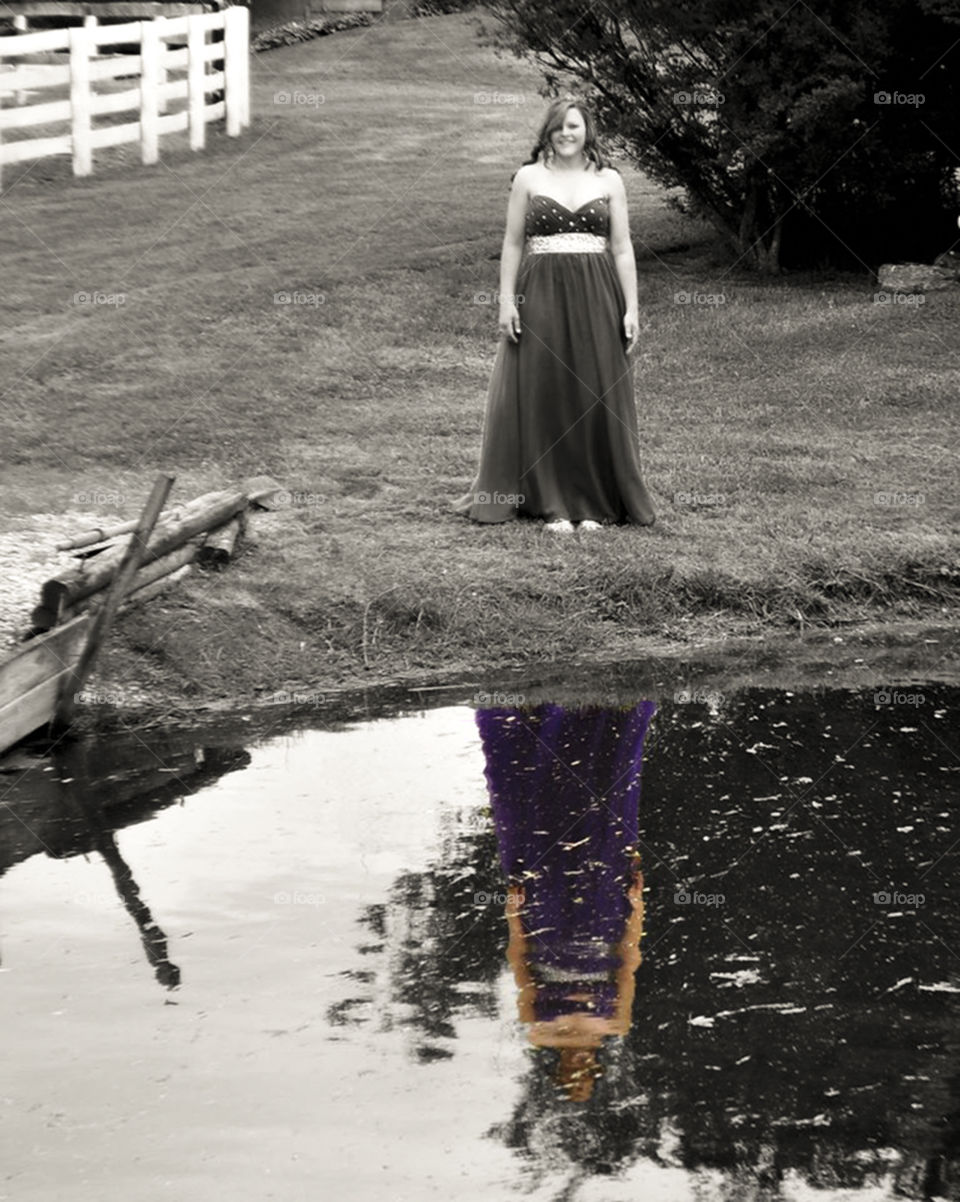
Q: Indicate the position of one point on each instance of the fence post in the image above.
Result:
(80, 100)
(196, 69)
(162, 102)
(21, 26)
(236, 67)
(245, 59)
(149, 79)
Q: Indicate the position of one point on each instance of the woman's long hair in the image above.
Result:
(553, 120)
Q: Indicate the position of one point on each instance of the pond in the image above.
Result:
(694, 946)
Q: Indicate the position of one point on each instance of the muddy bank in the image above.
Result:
(871, 655)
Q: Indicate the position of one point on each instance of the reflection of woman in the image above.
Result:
(565, 787)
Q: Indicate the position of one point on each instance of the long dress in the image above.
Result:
(560, 435)
(564, 788)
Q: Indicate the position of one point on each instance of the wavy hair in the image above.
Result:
(553, 120)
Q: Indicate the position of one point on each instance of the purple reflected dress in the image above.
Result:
(560, 435)
(565, 791)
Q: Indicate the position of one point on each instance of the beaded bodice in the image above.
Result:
(548, 216)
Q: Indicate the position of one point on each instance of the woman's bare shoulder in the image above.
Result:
(527, 172)
(611, 176)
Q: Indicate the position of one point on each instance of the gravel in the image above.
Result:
(28, 557)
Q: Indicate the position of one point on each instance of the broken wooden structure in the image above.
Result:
(124, 565)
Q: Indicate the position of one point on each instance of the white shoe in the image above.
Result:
(559, 526)
(589, 524)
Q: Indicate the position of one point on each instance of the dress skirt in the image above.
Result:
(560, 435)
(564, 787)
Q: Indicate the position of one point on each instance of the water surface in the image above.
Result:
(278, 969)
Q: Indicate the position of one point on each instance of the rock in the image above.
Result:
(916, 277)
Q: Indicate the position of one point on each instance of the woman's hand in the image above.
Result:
(631, 329)
(509, 321)
(515, 900)
(635, 892)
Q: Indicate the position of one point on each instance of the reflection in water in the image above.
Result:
(72, 772)
(793, 1027)
(797, 1013)
(75, 802)
(564, 787)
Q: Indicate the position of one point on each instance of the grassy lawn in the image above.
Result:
(775, 425)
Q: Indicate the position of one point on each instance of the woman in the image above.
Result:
(564, 788)
(560, 434)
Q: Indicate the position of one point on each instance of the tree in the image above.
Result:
(806, 131)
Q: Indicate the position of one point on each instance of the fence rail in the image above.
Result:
(150, 95)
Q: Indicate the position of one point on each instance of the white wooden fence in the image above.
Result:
(150, 95)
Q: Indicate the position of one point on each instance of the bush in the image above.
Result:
(807, 134)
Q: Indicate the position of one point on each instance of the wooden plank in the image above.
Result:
(114, 102)
(35, 114)
(31, 680)
(172, 122)
(28, 79)
(149, 101)
(80, 99)
(32, 710)
(36, 148)
(205, 513)
(158, 569)
(33, 43)
(236, 68)
(115, 135)
(125, 66)
(141, 9)
(195, 89)
(41, 658)
(219, 547)
(118, 587)
(146, 592)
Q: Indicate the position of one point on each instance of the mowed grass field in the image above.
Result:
(797, 435)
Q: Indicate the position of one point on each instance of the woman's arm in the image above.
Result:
(517, 956)
(510, 255)
(629, 956)
(621, 248)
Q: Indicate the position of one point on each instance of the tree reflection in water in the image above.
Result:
(802, 1029)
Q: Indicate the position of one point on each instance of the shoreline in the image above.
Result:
(871, 655)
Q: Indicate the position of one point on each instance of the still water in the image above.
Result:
(676, 949)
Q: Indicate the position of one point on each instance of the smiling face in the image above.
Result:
(568, 139)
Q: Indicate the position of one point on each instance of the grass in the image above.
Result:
(769, 422)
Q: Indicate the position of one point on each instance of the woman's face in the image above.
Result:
(568, 141)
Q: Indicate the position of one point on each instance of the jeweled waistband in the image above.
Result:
(568, 243)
